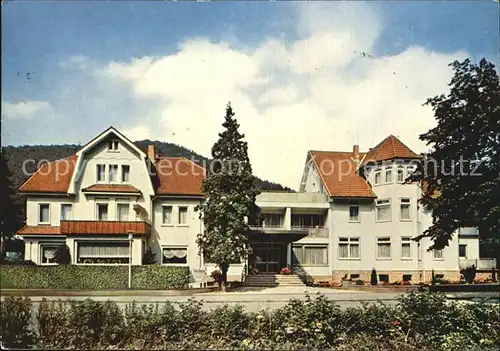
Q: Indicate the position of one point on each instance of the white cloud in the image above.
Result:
(317, 92)
(25, 109)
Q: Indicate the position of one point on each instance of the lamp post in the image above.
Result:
(130, 236)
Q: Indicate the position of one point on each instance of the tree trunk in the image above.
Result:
(224, 268)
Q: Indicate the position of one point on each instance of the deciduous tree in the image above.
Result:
(461, 174)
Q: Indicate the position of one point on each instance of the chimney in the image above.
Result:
(355, 151)
(151, 153)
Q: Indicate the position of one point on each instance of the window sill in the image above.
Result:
(311, 265)
(384, 258)
(355, 221)
(405, 220)
(385, 221)
(438, 259)
(183, 225)
(175, 264)
(406, 259)
(349, 258)
(44, 223)
(167, 225)
(113, 151)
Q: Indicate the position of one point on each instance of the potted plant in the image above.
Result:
(286, 270)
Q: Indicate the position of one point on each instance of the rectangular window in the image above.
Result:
(167, 214)
(384, 278)
(102, 212)
(43, 213)
(462, 251)
(183, 215)
(112, 252)
(174, 255)
(401, 176)
(65, 212)
(125, 173)
(272, 220)
(384, 248)
(307, 221)
(123, 211)
(113, 172)
(354, 213)
(388, 176)
(349, 248)
(377, 177)
(101, 173)
(438, 254)
(383, 210)
(406, 277)
(405, 209)
(313, 255)
(48, 253)
(113, 145)
(406, 247)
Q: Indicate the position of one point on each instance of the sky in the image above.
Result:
(299, 75)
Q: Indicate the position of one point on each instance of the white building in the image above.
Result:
(112, 201)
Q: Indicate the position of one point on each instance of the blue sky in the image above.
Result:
(67, 43)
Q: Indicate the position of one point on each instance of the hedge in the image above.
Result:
(92, 277)
(417, 322)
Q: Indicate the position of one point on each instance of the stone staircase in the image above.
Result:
(272, 280)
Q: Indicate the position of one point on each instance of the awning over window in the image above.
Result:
(171, 253)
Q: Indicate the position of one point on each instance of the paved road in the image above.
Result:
(255, 299)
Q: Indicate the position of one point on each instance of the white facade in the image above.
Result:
(322, 236)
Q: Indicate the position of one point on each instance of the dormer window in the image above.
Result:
(113, 145)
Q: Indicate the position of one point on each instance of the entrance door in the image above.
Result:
(269, 257)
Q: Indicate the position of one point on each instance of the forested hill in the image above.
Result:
(18, 155)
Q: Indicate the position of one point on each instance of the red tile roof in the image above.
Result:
(38, 230)
(175, 176)
(389, 148)
(338, 172)
(178, 176)
(111, 188)
(53, 177)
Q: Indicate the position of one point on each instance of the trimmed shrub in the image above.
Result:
(62, 255)
(373, 277)
(469, 274)
(15, 315)
(92, 277)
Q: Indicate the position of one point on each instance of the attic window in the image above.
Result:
(113, 145)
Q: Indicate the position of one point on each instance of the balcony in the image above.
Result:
(316, 232)
(481, 264)
(105, 227)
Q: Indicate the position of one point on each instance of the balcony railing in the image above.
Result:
(482, 263)
(105, 227)
(315, 232)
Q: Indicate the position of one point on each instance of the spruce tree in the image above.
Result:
(230, 194)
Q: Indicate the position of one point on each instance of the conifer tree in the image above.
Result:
(230, 194)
